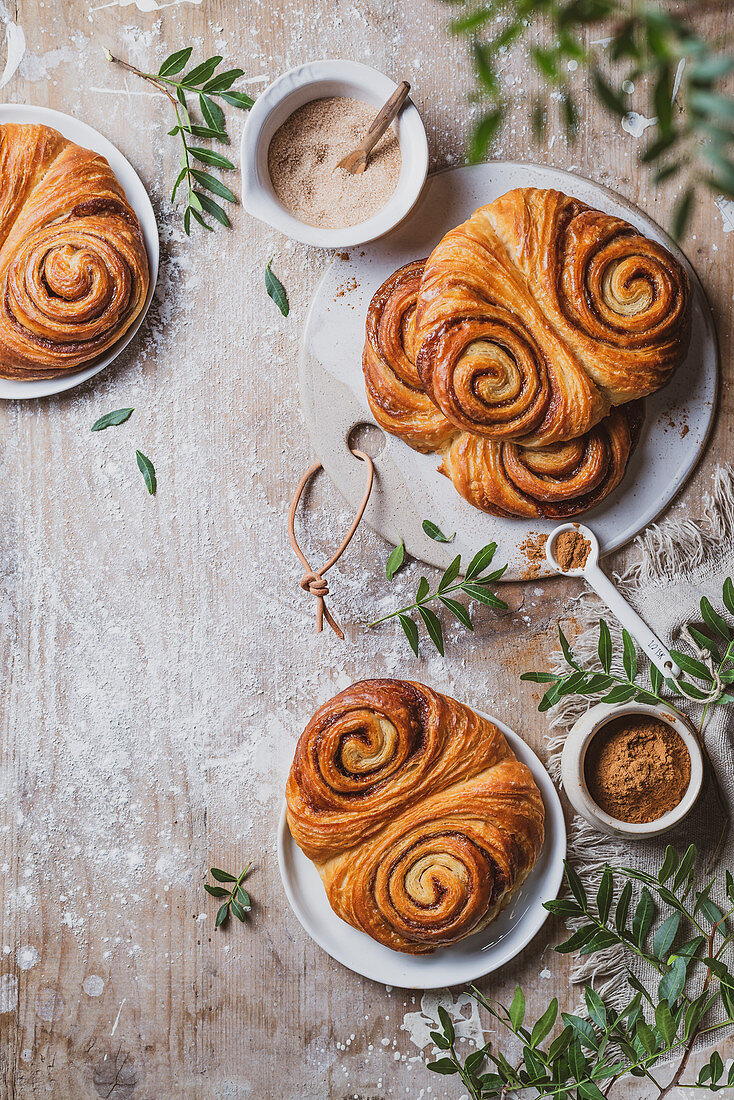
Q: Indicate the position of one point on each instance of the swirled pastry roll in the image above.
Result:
(555, 482)
(502, 478)
(73, 267)
(418, 816)
(539, 314)
(394, 388)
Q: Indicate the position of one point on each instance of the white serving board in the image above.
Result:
(137, 196)
(408, 488)
(465, 961)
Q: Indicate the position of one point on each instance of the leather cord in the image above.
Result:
(313, 580)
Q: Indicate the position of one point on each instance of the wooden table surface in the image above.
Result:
(158, 657)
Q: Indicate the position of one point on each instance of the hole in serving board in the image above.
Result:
(366, 437)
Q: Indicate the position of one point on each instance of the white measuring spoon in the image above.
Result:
(628, 617)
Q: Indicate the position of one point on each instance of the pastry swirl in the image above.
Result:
(420, 819)
(74, 272)
(497, 476)
(539, 314)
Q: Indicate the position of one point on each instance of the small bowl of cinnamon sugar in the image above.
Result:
(300, 128)
(632, 770)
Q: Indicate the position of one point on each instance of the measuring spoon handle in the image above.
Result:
(628, 617)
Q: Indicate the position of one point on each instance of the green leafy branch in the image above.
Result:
(238, 900)
(590, 1053)
(645, 42)
(207, 85)
(476, 584)
(707, 678)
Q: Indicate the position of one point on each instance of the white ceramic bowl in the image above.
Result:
(574, 782)
(315, 81)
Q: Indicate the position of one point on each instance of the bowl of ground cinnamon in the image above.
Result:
(632, 770)
(296, 134)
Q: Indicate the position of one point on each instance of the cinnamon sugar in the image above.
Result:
(303, 163)
(533, 547)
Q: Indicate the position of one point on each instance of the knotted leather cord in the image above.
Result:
(313, 579)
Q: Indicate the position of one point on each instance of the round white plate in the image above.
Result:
(408, 487)
(463, 962)
(137, 196)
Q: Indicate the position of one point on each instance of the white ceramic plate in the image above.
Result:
(74, 130)
(409, 488)
(463, 962)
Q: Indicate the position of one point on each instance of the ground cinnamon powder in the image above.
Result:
(571, 550)
(637, 768)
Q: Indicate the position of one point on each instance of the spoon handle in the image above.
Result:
(628, 617)
(382, 120)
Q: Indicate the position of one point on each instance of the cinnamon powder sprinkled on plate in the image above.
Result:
(303, 157)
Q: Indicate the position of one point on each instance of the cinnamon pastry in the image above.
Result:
(418, 816)
(73, 267)
(538, 315)
(502, 478)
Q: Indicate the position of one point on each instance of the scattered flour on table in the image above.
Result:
(463, 1011)
(8, 993)
(93, 985)
(27, 957)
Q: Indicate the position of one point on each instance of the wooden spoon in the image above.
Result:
(356, 161)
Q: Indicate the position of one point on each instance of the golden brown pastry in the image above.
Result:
(418, 816)
(555, 482)
(73, 267)
(539, 314)
(503, 478)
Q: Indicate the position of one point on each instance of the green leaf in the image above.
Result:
(551, 697)
(276, 290)
(612, 99)
(685, 867)
(443, 1065)
(222, 82)
(434, 532)
(484, 133)
(458, 610)
(566, 649)
(422, 591)
(714, 621)
(216, 891)
(604, 895)
(629, 657)
(646, 1036)
(620, 694)
(179, 179)
(433, 626)
(175, 62)
(112, 419)
(213, 208)
(201, 72)
(728, 594)
(395, 560)
(694, 1014)
(597, 682)
(600, 941)
(517, 1009)
(411, 631)
(540, 677)
(481, 560)
(656, 679)
(446, 1023)
(478, 593)
(212, 112)
(221, 876)
(244, 899)
(584, 1030)
(211, 183)
(238, 99)
(237, 909)
(672, 983)
(605, 646)
(202, 131)
(682, 213)
(704, 642)
(222, 914)
(595, 1007)
(563, 907)
(450, 575)
(710, 69)
(187, 221)
(663, 939)
(664, 1022)
(620, 913)
(147, 469)
(576, 940)
(440, 1040)
(208, 156)
(643, 918)
(589, 1091)
(711, 103)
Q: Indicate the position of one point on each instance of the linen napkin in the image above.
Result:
(679, 561)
